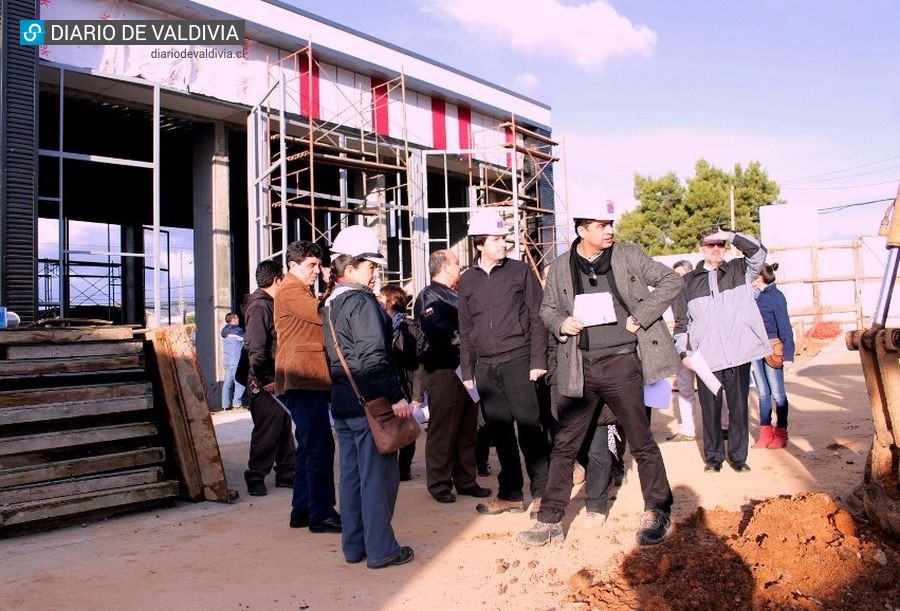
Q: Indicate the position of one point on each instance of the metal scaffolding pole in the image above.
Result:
(157, 306)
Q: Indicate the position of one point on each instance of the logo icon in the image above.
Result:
(31, 33)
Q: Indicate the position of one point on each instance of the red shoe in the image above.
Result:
(766, 434)
(780, 439)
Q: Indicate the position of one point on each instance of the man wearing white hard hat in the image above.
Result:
(503, 351)
(610, 340)
(369, 480)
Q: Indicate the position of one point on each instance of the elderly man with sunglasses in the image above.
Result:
(605, 352)
(718, 325)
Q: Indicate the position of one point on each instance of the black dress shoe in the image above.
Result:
(475, 490)
(285, 483)
(405, 476)
(713, 467)
(739, 465)
(403, 556)
(299, 519)
(257, 489)
(328, 525)
(445, 497)
(484, 470)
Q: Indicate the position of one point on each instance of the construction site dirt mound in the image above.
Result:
(801, 552)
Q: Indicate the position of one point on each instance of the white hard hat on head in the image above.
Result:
(607, 211)
(487, 222)
(360, 242)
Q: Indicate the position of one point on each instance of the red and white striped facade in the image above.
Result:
(444, 109)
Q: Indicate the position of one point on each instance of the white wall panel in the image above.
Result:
(452, 122)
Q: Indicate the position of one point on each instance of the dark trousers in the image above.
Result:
(617, 381)
(483, 444)
(314, 465)
(735, 387)
(369, 483)
(405, 459)
(271, 442)
(452, 431)
(509, 400)
(598, 473)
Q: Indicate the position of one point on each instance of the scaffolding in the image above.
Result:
(312, 175)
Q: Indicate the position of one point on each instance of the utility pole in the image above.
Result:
(733, 249)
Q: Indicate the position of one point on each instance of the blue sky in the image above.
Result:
(810, 89)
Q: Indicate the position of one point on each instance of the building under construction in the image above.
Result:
(290, 138)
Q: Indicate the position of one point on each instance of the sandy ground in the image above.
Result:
(244, 556)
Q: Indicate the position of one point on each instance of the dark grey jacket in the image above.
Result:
(366, 338)
(634, 272)
(499, 316)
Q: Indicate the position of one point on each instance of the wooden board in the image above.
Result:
(84, 364)
(64, 336)
(56, 351)
(82, 485)
(41, 396)
(81, 466)
(21, 513)
(78, 437)
(74, 409)
(183, 390)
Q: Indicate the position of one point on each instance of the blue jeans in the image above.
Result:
(314, 463)
(770, 384)
(369, 484)
(232, 390)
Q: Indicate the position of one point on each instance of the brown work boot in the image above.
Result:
(497, 505)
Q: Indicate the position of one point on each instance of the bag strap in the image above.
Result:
(340, 353)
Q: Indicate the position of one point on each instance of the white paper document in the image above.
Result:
(658, 395)
(420, 412)
(704, 373)
(594, 309)
(473, 392)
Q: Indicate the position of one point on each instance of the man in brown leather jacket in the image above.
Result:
(303, 383)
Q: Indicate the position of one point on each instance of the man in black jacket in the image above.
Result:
(503, 350)
(453, 420)
(271, 442)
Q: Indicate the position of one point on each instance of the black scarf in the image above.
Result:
(600, 266)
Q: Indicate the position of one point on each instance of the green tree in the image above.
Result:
(670, 216)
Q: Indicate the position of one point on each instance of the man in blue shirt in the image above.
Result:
(232, 341)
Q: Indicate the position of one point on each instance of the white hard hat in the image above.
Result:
(487, 222)
(607, 211)
(360, 242)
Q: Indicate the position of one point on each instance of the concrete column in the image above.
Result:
(212, 251)
(133, 300)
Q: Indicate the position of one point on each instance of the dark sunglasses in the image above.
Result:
(719, 243)
(592, 276)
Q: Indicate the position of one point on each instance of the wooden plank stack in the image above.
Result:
(80, 434)
(181, 391)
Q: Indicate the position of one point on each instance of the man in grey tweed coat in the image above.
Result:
(606, 363)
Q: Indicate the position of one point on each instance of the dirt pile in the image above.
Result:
(801, 552)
